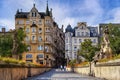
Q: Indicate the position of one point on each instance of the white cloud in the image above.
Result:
(9, 24)
(89, 11)
(116, 15)
(113, 15)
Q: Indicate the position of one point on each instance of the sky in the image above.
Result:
(65, 12)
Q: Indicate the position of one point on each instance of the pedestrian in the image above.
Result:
(64, 68)
(61, 67)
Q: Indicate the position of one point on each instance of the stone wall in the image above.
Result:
(110, 71)
(82, 70)
(19, 73)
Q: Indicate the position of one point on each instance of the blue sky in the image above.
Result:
(65, 11)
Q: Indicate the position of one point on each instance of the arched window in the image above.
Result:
(33, 38)
(34, 14)
(40, 47)
(39, 38)
(29, 48)
(46, 48)
(33, 29)
(40, 30)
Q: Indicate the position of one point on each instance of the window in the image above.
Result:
(80, 40)
(75, 40)
(39, 38)
(82, 27)
(33, 38)
(27, 22)
(40, 30)
(94, 34)
(40, 21)
(87, 34)
(46, 48)
(47, 30)
(82, 33)
(29, 48)
(27, 38)
(33, 14)
(33, 29)
(20, 22)
(41, 61)
(29, 56)
(29, 61)
(94, 40)
(47, 56)
(34, 22)
(75, 48)
(27, 30)
(40, 56)
(78, 33)
(40, 47)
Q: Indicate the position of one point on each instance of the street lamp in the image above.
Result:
(67, 59)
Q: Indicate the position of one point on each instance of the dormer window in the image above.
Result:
(33, 14)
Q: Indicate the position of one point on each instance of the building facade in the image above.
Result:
(40, 29)
(74, 37)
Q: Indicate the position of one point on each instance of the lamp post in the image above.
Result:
(67, 59)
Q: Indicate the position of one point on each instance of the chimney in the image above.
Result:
(62, 27)
(3, 29)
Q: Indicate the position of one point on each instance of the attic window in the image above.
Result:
(33, 14)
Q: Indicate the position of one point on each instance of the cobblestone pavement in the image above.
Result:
(57, 74)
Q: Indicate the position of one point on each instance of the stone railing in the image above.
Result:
(16, 72)
(109, 71)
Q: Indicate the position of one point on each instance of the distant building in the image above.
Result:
(44, 38)
(74, 37)
(4, 33)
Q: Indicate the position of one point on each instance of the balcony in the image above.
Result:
(33, 41)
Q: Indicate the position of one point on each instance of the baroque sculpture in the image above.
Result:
(105, 51)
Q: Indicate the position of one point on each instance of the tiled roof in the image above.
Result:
(25, 14)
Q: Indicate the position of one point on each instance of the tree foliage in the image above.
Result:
(87, 50)
(20, 37)
(7, 42)
(114, 37)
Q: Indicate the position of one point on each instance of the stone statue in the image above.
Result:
(106, 47)
(105, 51)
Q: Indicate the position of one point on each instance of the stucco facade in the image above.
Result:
(39, 28)
(74, 38)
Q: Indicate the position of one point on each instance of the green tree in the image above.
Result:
(6, 43)
(18, 45)
(114, 37)
(87, 50)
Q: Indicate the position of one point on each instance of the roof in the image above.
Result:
(69, 29)
(25, 14)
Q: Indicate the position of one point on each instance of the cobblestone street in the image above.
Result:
(57, 74)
